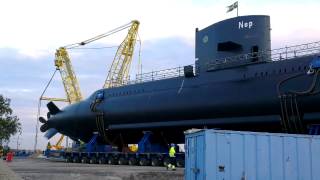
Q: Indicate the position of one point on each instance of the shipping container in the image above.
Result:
(237, 155)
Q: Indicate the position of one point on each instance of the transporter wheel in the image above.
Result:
(112, 160)
(166, 161)
(102, 160)
(155, 161)
(93, 160)
(143, 161)
(132, 161)
(84, 160)
(75, 159)
(68, 159)
(122, 161)
(180, 162)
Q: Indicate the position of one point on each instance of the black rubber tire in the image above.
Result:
(68, 159)
(102, 160)
(84, 160)
(132, 161)
(75, 159)
(112, 160)
(155, 161)
(166, 161)
(143, 161)
(180, 162)
(93, 160)
(122, 161)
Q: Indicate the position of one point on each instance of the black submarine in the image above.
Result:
(237, 83)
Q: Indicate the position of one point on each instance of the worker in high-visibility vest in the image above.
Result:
(172, 155)
(49, 146)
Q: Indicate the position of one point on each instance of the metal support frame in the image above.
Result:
(314, 129)
(90, 145)
(145, 145)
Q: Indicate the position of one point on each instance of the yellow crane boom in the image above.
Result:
(119, 70)
(118, 73)
(70, 82)
(69, 79)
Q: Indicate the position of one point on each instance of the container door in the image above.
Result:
(199, 166)
(189, 158)
(195, 158)
(223, 157)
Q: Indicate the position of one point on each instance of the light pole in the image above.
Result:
(18, 141)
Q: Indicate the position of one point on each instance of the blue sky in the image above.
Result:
(32, 30)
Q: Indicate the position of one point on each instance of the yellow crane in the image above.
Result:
(118, 73)
(69, 79)
(120, 68)
(70, 83)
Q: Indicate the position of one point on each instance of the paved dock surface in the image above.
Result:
(6, 173)
(39, 169)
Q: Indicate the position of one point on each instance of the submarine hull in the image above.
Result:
(237, 83)
(236, 98)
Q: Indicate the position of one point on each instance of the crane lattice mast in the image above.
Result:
(69, 79)
(70, 82)
(119, 71)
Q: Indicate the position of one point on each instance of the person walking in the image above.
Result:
(172, 155)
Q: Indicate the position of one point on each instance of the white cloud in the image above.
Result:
(16, 90)
(37, 26)
(34, 54)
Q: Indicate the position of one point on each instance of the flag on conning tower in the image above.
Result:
(232, 6)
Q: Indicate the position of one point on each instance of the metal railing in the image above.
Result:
(162, 74)
(269, 55)
(242, 59)
(295, 51)
(155, 75)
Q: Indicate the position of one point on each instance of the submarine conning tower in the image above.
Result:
(233, 42)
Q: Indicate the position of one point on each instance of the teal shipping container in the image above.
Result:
(237, 155)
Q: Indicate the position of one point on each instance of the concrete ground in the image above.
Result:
(6, 173)
(39, 169)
